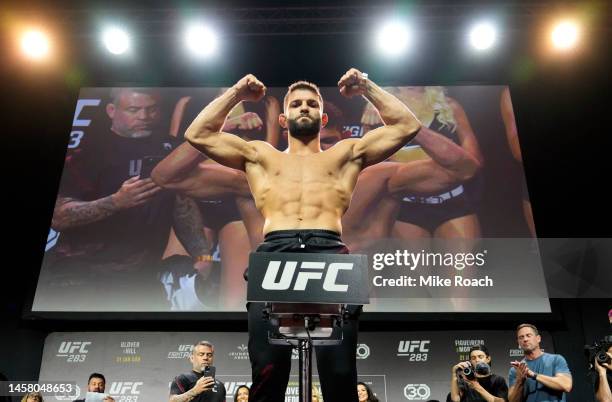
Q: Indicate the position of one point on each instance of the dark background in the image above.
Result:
(561, 104)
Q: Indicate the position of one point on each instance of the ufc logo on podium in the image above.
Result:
(308, 278)
(307, 271)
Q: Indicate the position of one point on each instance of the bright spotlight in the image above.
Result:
(201, 41)
(483, 36)
(116, 40)
(35, 45)
(565, 35)
(393, 38)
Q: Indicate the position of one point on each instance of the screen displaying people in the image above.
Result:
(131, 233)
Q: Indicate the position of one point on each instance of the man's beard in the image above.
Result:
(304, 128)
(140, 134)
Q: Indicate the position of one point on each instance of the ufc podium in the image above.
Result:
(306, 296)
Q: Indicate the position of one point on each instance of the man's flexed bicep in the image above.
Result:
(205, 132)
(400, 123)
(226, 149)
(381, 143)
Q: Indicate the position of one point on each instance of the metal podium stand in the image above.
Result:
(308, 301)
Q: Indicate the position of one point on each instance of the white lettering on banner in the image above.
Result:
(413, 346)
(52, 238)
(183, 351)
(82, 103)
(75, 139)
(304, 275)
(464, 345)
(72, 347)
(73, 351)
(356, 131)
(125, 388)
(416, 351)
(417, 392)
(242, 354)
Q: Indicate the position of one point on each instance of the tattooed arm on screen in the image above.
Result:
(70, 212)
(189, 229)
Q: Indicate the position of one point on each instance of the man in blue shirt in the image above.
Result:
(539, 377)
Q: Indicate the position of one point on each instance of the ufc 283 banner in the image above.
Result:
(139, 366)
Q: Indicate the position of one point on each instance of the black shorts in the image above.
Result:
(219, 213)
(303, 241)
(431, 216)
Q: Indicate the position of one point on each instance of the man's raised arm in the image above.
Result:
(205, 132)
(400, 123)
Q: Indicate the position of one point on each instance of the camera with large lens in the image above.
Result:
(598, 352)
(482, 369)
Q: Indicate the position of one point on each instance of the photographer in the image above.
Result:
(603, 392)
(199, 384)
(473, 381)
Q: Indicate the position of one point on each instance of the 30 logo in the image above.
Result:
(73, 351)
(415, 350)
(417, 392)
(363, 351)
(309, 270)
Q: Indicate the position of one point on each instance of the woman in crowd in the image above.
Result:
(365, 394)
(242, 394)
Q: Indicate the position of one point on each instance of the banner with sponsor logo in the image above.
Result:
(139, 366)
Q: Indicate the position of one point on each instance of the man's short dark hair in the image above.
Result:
(533, 327)
(480, 347)
(96, 375)
(302, 85)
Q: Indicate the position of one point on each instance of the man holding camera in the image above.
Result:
(199, 384)
(539, 377)
(604, 375)
(472, 381)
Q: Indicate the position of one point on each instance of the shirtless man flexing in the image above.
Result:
(302, 194)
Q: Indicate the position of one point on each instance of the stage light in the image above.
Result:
(565, 35)
(393, 38)
(201, 41)
(116, 40)
(35, 45)
(483, 36)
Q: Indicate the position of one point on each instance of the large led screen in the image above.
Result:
(445, 222)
